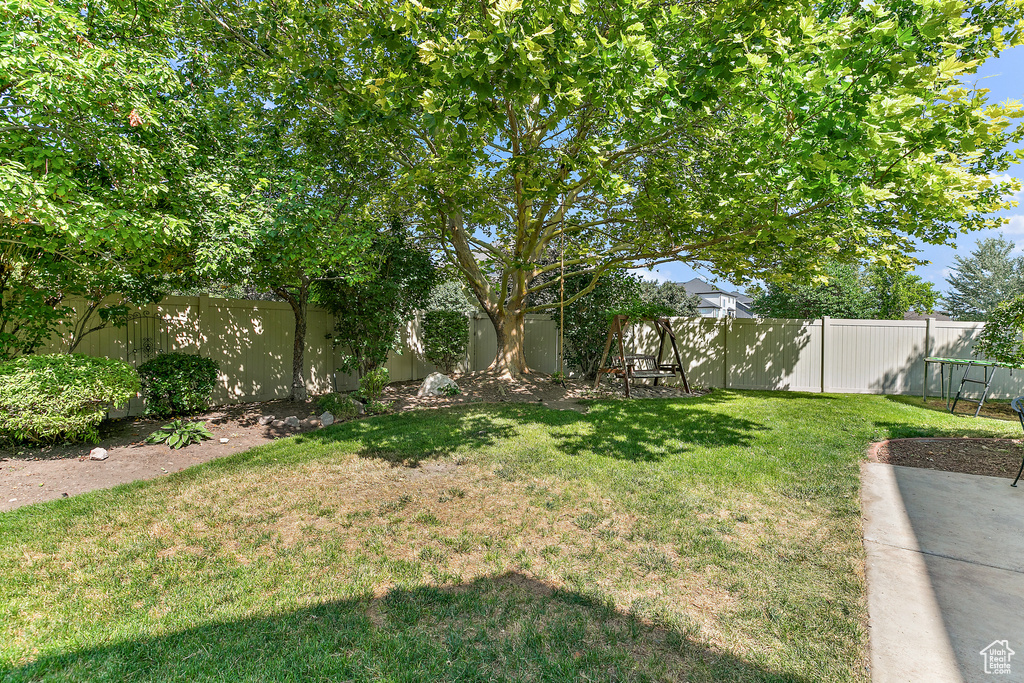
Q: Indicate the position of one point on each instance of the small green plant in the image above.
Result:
(377, 407)
(445, 338)
(60, 396)
(338, 405)
(178, 383)
(450, 390)
(371, 386)
(179, 433)
(558, 377)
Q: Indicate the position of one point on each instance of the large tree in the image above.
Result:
(982, 280)
(758, 139)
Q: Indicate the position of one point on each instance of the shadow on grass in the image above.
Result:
(646, 430)
(506, 628)
(996, 409)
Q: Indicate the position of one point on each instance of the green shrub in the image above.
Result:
(378, 407)
(48, 398)
(1002, 340)
(371, 386)
(445, 338)
(178, 383)
(338, 405)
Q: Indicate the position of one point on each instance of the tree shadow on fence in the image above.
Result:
(504, 628)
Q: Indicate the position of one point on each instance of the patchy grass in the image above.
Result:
(697, 539)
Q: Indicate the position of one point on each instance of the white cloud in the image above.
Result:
(1015, 226)
(654, 274)
(1005, 178)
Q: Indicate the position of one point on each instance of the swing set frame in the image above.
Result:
(637, 366)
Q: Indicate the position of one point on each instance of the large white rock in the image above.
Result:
(98, 454)
(326, 420)
(432, 384)
(265, 420)
(291, 421)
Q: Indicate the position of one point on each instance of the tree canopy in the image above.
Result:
(758, 140)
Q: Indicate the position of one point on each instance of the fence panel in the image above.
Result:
(874, 356)
(252, 342)
(773, 354)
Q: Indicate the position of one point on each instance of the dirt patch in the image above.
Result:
(989, 457)
(534, 388)
(31, 474)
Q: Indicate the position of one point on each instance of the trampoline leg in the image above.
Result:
(1014, 484)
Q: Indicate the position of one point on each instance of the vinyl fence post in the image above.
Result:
(927, 352)
(825, 324)
(725, 351)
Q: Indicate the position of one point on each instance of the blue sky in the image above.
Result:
(1004, 77)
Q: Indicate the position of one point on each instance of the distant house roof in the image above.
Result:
(698, 286)
(914, 315)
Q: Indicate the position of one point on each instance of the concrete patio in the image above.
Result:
(945, 571)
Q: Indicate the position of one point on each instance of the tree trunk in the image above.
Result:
(298, 304)
(510, 359)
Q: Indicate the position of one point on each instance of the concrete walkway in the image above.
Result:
(945, 571)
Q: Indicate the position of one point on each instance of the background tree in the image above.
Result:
(96, 149)
(672, 296)
(880, 291)
(893, 292)
(759, 142)
(984, 279)
(842, 295)
(369, 314)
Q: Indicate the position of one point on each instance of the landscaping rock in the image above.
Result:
(277, 424)
(265, 420)
(291, 421)
(98, 454)
(433, 383)
(326, 420)
(360, 408)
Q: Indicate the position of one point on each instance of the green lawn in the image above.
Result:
(712, 539)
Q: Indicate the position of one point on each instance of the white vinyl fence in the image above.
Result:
(252, 341)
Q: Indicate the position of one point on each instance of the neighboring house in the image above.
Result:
(914, 315)
(718, 303)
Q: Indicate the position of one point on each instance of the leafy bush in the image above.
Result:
(378, 407)
(1002, 339)
(338, 405)
(46, 398)
(586, 318)
(180, 433)
(445, 338)
(371, 386)
(369, 314)
(178, 383)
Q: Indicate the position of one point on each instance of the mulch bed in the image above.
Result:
(989, 457)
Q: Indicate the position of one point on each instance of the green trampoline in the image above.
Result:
(989, 367)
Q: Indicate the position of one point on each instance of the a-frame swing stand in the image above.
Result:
(637, 366)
